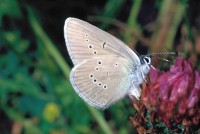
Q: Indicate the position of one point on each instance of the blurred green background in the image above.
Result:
(36, 96)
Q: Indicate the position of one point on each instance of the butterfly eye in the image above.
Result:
(86, 35)
(147, 60)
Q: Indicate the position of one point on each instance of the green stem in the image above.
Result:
(49, 45)
(177, 18)
(132, 20)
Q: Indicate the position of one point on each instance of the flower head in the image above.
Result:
(173, 97)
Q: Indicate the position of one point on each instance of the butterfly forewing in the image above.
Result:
(84, 41)
(102, 82)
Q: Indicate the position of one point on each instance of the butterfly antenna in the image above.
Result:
(165, 53)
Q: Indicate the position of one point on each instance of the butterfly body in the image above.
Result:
(105, 68)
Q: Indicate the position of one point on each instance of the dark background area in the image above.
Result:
(35, 93)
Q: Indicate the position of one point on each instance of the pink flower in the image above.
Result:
(174, 96)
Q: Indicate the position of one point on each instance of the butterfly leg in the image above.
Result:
(134, 92)
(153, 67)
(143, 77)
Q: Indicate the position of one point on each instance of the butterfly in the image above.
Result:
(105, 69)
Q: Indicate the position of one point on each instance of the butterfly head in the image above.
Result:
(145, 59)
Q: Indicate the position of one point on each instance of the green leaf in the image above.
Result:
(10, 8)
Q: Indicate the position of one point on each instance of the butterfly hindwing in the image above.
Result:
(102, 82)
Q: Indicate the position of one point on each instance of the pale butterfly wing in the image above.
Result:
(105, 68)
(102, 82)
(84, 41)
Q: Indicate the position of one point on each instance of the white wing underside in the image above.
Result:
(102, 84)
(87, 45)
